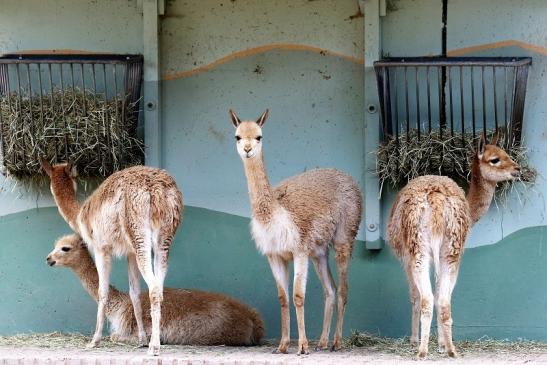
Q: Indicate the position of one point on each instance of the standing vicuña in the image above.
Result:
(189, 317)
(134, 212)
(297, 220)
(429, 221)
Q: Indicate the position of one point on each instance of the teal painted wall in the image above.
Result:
(304, 61)
(494, 295)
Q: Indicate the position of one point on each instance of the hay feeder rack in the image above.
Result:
(42, 94)
(430, 105)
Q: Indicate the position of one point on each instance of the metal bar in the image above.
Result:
(453, 61)
(396, 107)
(10, 106)
(483, 103)
(495, 98)
(512, 105)
(83, 89)
(505, 106)
(439, 97)
(107, 126)
(518, 109)
(116, 167)
(20, 99)
(41, 94)
(66, 157)
(417, 103)
(406, 105)
(462, 111)
(69, 58)
(451, 102)
(3, 72)
(53, 111)
(428, 100)
(31, 127)
(473, 101)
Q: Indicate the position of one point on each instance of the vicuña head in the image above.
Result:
(494, 163)
(249, 135)
(69, 251)
(62, 176)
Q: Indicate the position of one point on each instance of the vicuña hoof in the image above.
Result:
(441, 349)
(283, 347)
(321, 347)
(422, 355)
(154, 350)
(92, 344)
(452, 353)
(303, 348)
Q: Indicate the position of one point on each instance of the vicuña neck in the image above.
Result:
(87, 273)
(68, 205)
(480, 192)
(263, 203)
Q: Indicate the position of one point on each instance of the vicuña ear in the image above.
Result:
(481, 146)
(262, 119)
(235, 120)
(46, 165)
(71, 170)
(495, 138)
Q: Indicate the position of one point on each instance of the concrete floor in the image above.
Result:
(212, 355)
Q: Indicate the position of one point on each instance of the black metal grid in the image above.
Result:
(39, 75)
(452, 94)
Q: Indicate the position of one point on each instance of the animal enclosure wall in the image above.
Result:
(304, 61)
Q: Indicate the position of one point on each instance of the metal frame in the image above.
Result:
(513, 71)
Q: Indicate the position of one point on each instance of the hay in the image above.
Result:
(403, 159)
(60, 340)
(100, 140)
(402, 347)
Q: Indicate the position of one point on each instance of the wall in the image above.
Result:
(303, 61)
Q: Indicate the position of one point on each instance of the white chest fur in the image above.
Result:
(279, 236)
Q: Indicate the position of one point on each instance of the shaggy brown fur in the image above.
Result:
(430, 221)
(297, 220)
(134, 212)
(189, 317)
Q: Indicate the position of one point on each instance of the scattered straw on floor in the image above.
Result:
(393, 346)
(403, 159)
(402, 347)
(98, 135)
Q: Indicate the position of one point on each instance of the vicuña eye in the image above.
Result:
(495, 160)
(258, 138)
(65, 249)
(238, 138)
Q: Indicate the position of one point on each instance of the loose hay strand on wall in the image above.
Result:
(100, 140)
(403, 159)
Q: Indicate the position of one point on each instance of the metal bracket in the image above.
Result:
(372, 9)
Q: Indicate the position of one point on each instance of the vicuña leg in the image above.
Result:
(415, 302)
(321, 265)
(144, 261)
(280, 271)
(421, 279)
(134, 294)
(103, 261)
(447, 281)
(343, 258)
(299, 297)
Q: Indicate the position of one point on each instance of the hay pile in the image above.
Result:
(402, 347)
(99, 141)
(402, 160)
